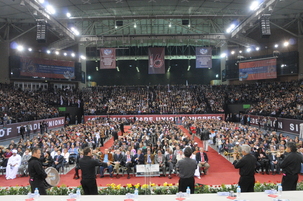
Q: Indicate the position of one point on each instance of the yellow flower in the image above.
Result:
(165, 184)
(129, 185)
(118, 186)
(137, 185)
(113, 185)
(170, 184)
(153, 184)
(144, 186)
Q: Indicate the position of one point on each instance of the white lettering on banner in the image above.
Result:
(293, 127)
(36, 126)
(280, 125)
(4, 132)
(18, 129)
(55, 123)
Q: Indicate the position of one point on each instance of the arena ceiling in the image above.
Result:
(119, 23)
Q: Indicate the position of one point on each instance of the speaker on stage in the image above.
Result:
(41, 30)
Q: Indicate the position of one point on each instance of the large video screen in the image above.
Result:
(258, 69)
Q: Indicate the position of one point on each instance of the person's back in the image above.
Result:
(187, 167)
(87, 165)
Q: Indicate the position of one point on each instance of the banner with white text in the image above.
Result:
(169, 117)
(13, 130)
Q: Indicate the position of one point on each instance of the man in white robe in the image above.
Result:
(13, 165)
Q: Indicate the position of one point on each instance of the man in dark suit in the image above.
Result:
(171, 161)
(87, 165)
(58, 161)
(115, 134)
(118, 160)
(138, 158)
(273, 161)
(127, 162)
(202, 160)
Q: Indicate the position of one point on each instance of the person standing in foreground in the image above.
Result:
(247, 166)
(87, 165)
(291, 166)
(187, 167)
(36, 172)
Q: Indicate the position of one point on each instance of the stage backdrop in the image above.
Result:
(107, 58)
(36, 67)
(156, 117)
(13, 130)
(203, 57)
(156, 62)
(258, 69)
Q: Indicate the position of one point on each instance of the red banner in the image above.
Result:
(107, 58)
(13, 130)
(258, 69)
(170, 117)
(156, 62)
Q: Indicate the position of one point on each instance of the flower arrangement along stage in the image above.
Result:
(144, 189)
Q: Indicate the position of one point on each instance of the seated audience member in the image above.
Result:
(263, 160)
(13, 164)
(73, 152)
(202, 160)
(138, 158)
(127, 160)
(58, 161)
(171, 161)
(6, 156)
(160, 159)
(48, 161)
(107, 158)
(77, 168)
(118, 160)
(24, 163)
(149, 158)
(65, 155)
(274, 161)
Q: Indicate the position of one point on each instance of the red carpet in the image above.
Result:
(221, 171)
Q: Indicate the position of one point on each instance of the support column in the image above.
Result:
(300, 50)
(223, 62)
(82, 51)
(4, 64)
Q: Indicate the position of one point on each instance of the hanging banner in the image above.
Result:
(156, 62)
(258, 69)
(203, 57)
(107, 58)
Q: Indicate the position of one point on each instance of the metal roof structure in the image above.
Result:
(119, 23)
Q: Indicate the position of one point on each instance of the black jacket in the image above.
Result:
(87, 165)
(36, 172)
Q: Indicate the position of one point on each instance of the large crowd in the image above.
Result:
(276, 99)
(156, 142)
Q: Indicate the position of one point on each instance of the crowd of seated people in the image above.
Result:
(158, 142)
(19, 106)
(276, 99)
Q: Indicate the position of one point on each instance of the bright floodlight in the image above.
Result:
(50, 9)
(254, 5)
(57, 52)
(48, 51)
(230, 28)
(82, 57)
(240, 51)
(73, 54)
(30, 49)
(20, 48)
(65, 54)
(257, 48)
(286, 43)
(232, 52)
(248, 50)
(68, 15)
(135, 25)
(41, 1)
(223, 55)
(276, 45)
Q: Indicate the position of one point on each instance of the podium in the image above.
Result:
(147, 171)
